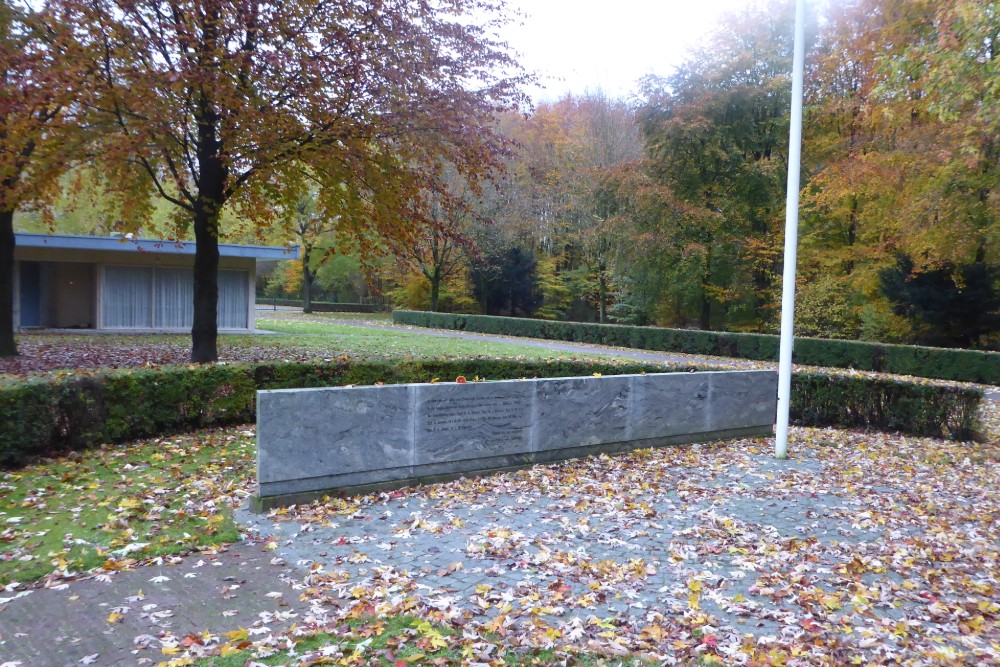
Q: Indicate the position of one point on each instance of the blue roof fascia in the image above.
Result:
(157, 246)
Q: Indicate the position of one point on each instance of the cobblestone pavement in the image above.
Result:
(860, 547)
(740, 544)
(143, 616)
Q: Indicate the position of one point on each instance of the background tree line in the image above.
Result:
(665, 208)
(668, 209)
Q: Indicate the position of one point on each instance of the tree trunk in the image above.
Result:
(852, 234)
(212, 174)
(435, 280)
(205, 329)
(602, 296)
(307, 281)
(8, 345)
(705, 323)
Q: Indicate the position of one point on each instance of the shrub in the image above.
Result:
(928, 362)
(42, 417)
(322, 306)
(884, 405)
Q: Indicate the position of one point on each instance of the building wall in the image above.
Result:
(129, 258)
(71, 281)
(73, 303)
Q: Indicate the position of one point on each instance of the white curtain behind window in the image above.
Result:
(141, 298)
(127, 297)
(233, 293)
(174, 298)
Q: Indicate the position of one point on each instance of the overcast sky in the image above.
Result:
(576, 45)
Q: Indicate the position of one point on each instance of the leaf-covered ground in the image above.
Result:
(115, 507)
(862, 549)
(299, 338)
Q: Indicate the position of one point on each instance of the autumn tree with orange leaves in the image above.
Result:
(901, 142)
(248, 105)
(40, 131)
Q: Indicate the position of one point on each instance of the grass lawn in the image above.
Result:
(302, 338)
(405, 640)
(115, 506)
(335, 335)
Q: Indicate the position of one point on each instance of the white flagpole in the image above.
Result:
(791, 238)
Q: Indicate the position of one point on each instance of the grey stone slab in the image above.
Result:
(459, 422)
(305, 484)
(742, 398)
(433, 471)
(576, 412)
(363, 438)
(670, 405)
(325, 432)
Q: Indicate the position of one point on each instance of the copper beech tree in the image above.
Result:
(248, 104)
(39, 133)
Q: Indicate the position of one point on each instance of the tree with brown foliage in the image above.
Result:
(245, 104)
(39, 130)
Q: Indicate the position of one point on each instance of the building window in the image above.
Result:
(233, 293)
(174, 298)
(144, 298)
(127, 299)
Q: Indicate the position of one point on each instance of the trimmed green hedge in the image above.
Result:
(324, 306)
(928, 362)
(42, 417)
(882, 404)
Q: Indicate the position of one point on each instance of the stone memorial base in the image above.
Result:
(348, 440)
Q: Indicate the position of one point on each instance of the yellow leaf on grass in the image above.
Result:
(237, 635)
(694, 601)
(115, 617)
(228, 649)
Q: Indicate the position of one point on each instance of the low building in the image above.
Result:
(121, 283)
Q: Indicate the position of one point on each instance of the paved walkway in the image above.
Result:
(842, 551)
(146, 615)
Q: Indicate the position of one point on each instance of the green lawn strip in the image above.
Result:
(405, 640)
(348, 339)
(119, 505)
(373, 318)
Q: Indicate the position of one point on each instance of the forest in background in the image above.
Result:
(668, 208)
